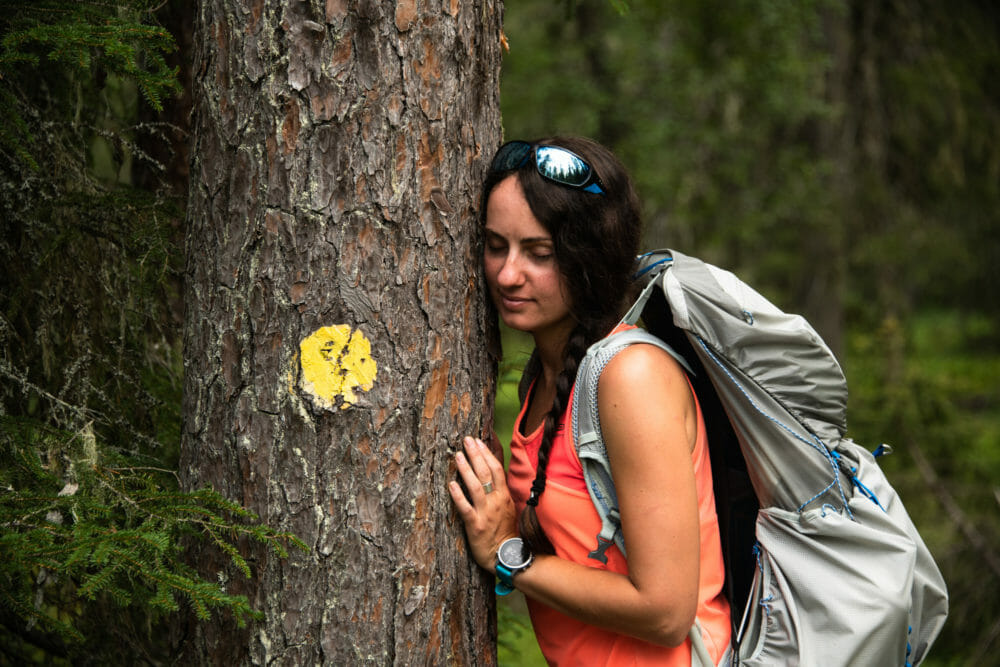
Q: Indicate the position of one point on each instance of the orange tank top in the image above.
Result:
(569, 519)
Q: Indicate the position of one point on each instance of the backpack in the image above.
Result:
(820, 553)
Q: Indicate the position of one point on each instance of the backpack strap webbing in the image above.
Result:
(586, 425)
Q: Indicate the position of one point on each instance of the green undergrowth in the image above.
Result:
(87, 530)
(930, 387)
(516, 646)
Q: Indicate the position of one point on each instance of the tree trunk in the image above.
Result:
(338, 341)
(825, 248)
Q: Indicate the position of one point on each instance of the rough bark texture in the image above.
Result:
(337, 156)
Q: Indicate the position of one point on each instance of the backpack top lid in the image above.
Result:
(773, 372)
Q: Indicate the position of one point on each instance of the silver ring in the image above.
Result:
(488, 487)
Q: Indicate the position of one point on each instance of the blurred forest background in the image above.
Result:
(842, 157)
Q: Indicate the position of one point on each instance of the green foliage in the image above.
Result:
(95, 530)
(92, 517)
(81, 522)
(927, 172)
(702, 101)
(930, 389)
(77, 39)
(840, 157)
(517, 348)
(516, 646)
(827, 151)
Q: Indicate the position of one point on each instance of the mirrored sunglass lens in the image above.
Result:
(511, 156)
(561, 165)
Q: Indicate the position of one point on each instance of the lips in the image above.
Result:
(510, 302)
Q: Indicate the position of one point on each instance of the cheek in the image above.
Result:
(559, 291)
(491, 267)
(553, 283)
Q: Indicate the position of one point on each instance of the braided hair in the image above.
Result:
(595, 240)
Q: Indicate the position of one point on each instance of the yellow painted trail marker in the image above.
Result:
(336, 362)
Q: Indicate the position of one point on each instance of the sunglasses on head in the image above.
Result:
(552, 162)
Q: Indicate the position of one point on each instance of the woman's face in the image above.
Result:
(520, 265)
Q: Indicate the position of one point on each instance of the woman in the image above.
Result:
(561, 223)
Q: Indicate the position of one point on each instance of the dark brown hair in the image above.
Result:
(595, 239)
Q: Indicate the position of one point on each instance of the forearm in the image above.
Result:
(608, 600)
(653, 603)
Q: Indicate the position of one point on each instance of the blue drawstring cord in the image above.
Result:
(852, 473)
(645, 270)
(882, 450)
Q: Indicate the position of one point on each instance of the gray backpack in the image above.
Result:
(820, 553)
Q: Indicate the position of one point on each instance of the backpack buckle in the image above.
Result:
(602, 546)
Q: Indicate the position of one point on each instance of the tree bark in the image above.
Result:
(338, 341)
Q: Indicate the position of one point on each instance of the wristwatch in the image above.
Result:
(512, 557)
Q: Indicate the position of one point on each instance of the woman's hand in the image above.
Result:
(490, 516)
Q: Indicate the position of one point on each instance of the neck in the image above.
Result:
(552, 353)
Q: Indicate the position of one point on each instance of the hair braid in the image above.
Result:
(530, 528)
(595, 238)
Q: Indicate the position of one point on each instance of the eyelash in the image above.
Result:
(542, 255)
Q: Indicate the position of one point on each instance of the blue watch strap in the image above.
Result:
(505, 580)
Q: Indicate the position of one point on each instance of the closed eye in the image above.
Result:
(494, 241)
(495, 248)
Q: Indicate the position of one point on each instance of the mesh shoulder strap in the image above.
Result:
(587, 438)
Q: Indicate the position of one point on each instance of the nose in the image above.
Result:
(510, 274)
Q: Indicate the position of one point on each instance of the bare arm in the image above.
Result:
(649, 425)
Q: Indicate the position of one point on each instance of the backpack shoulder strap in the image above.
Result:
(587, 438)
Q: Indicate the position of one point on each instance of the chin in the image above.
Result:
(517, 324)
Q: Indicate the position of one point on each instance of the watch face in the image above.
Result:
(512, 553)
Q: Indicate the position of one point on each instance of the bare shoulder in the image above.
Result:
(640, 367)
(643, 389)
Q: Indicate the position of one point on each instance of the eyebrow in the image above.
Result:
(533, 240)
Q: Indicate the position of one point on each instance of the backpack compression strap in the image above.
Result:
(587, 438)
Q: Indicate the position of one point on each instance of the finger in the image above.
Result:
(465, 510)
(482, 449)
(477, 490)
(497, 474)
(466, 473)
(478, 457)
